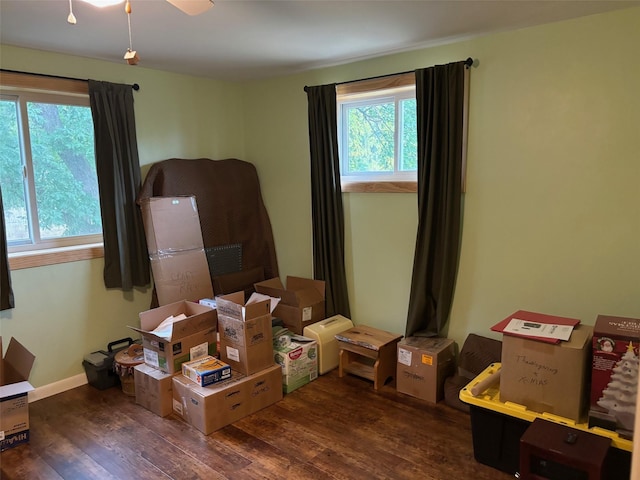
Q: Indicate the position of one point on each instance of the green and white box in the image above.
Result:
(298, 357)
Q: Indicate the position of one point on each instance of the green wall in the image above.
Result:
(551, 215)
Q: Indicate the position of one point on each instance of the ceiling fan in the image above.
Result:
(190, 7)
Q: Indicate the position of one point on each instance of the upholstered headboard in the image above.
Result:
(232, 214)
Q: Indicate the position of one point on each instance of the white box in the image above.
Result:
(324, 332)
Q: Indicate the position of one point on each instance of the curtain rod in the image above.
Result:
(135, 86)
(467, 63)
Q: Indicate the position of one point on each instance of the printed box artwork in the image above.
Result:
(206, 370)
(614, 373)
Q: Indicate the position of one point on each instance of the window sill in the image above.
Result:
(380, 187)
(53, 256)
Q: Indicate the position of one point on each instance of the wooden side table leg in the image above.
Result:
(378, 380)
(387, 357)
(344, 359)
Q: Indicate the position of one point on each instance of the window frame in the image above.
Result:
(12, 83)
(397, 183)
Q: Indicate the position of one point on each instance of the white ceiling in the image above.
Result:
(244, 39)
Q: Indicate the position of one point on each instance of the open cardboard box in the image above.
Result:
(192, 337)
(301, 303)
(15, 369)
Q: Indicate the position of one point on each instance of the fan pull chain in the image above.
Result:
(71, 18)
(131, 56)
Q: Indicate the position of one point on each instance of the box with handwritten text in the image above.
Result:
(545, 377)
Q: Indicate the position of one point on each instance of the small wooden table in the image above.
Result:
(369, 353)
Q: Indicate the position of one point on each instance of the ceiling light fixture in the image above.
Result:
(103, 3)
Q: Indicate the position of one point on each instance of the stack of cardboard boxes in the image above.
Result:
(246, 377)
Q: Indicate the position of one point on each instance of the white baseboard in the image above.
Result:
(57, 387)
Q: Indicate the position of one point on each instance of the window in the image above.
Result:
(47, 169)
(377, 125)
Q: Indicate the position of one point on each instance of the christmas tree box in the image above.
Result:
(614, 373)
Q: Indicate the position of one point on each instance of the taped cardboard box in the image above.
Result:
(176, 249)
(154, 389)
(423, 365)
(545, 377)
(210, 408)
(246, 339)
(614, 373)
(191, 338)
(15, 369)
(302, 301)
(171, 224)
(181, 276)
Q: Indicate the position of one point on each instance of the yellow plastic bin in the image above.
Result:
(496, 426)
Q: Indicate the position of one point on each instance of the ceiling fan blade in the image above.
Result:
(192, 7)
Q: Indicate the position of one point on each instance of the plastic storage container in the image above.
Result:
(496, 428)
(98, 365)
(324, 332)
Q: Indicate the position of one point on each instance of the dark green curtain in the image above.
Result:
(440, 108)
(6, 292)
(326, 199)
(126, 261)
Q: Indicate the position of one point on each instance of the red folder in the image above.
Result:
(534, 317)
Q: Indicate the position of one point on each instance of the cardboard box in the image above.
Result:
(614, 373)
(15, 369)
(171, 224)
(301, 302)
(192, 338)
(181, 276)
(154, 389)
(176, 249)
(210, 408)
(324, 332)
(547, 377)
(246, 339)
(423, 365)
(206, 370)
(298, 357)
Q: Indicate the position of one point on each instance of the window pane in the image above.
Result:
(11, 177)
(370, 137)
(409, 144)
(62, 151)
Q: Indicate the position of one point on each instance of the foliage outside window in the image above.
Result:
(48, 171)
(377, 127)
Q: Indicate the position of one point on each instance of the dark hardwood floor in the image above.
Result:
(332, 428)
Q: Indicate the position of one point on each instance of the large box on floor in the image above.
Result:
(324, 332)
(154, 389)
(246, 339)
(210, 408)
(298, 357)
(614, 373)
(191, 338)
(496, 428)
(15, 368)
(423, 365)
(547, 377)
(176, 249)
(301, 301)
